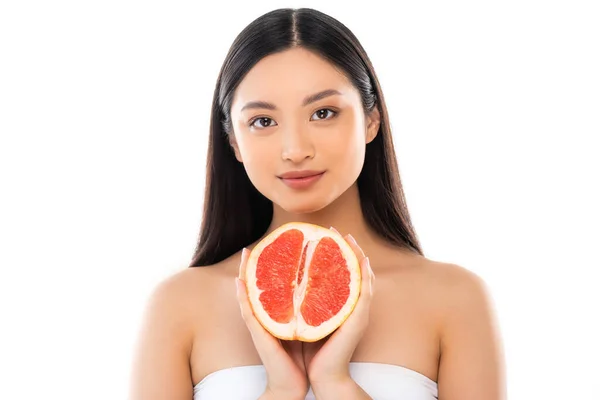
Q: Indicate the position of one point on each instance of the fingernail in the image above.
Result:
(368, 265)
(352, 239)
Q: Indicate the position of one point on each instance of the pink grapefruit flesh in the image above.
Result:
(303, 281)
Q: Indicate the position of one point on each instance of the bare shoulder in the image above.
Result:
(180, 295)
(191, 288)
(161, 367)
(440, 284)
(470, 343)
(461, 297)
(453, 282)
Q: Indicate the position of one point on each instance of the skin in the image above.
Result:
(432, 317)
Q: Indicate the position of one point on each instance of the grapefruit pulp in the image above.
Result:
(303, 281)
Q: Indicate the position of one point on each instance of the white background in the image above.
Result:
(104, 110)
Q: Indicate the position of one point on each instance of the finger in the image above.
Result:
(366, 272)
(360, 254)
(242, 293)
(335, 230)
(245, 307)
(359, 318)
(261, 337)
(243, 263)
(371, 275)
(366, 289)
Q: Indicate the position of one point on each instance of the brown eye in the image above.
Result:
(263, 122)
(322, 114)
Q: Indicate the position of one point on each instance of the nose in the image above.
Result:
(297, 145)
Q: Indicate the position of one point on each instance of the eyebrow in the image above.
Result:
(308, 100)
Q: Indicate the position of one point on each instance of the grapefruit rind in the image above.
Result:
(298, 329)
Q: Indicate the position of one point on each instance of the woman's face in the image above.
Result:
(300, 149)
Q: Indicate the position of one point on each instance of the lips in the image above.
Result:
(300, 180)
(300, 174)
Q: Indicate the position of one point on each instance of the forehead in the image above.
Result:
(288, 77)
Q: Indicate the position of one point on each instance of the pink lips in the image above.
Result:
(301, 179)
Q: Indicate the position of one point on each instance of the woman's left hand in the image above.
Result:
(327, 361)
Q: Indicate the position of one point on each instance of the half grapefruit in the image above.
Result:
(303, 281)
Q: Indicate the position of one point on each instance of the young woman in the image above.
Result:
(300, 132)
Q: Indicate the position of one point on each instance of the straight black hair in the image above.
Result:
(235, 213)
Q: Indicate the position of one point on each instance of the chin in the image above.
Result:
(304, 204)
(302, 207)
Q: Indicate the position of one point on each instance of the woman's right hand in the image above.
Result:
(283, 361)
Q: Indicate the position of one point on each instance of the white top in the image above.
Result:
(380, 381)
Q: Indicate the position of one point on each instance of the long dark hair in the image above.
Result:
(235, 213)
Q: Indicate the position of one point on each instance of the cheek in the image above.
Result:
(252, 149)
(346, 145)
(353, 157)
(259, 158)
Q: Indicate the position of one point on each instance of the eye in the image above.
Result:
(265, 122)
(261, 120)
(322, 113)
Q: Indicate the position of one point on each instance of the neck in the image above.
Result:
(344, 214)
